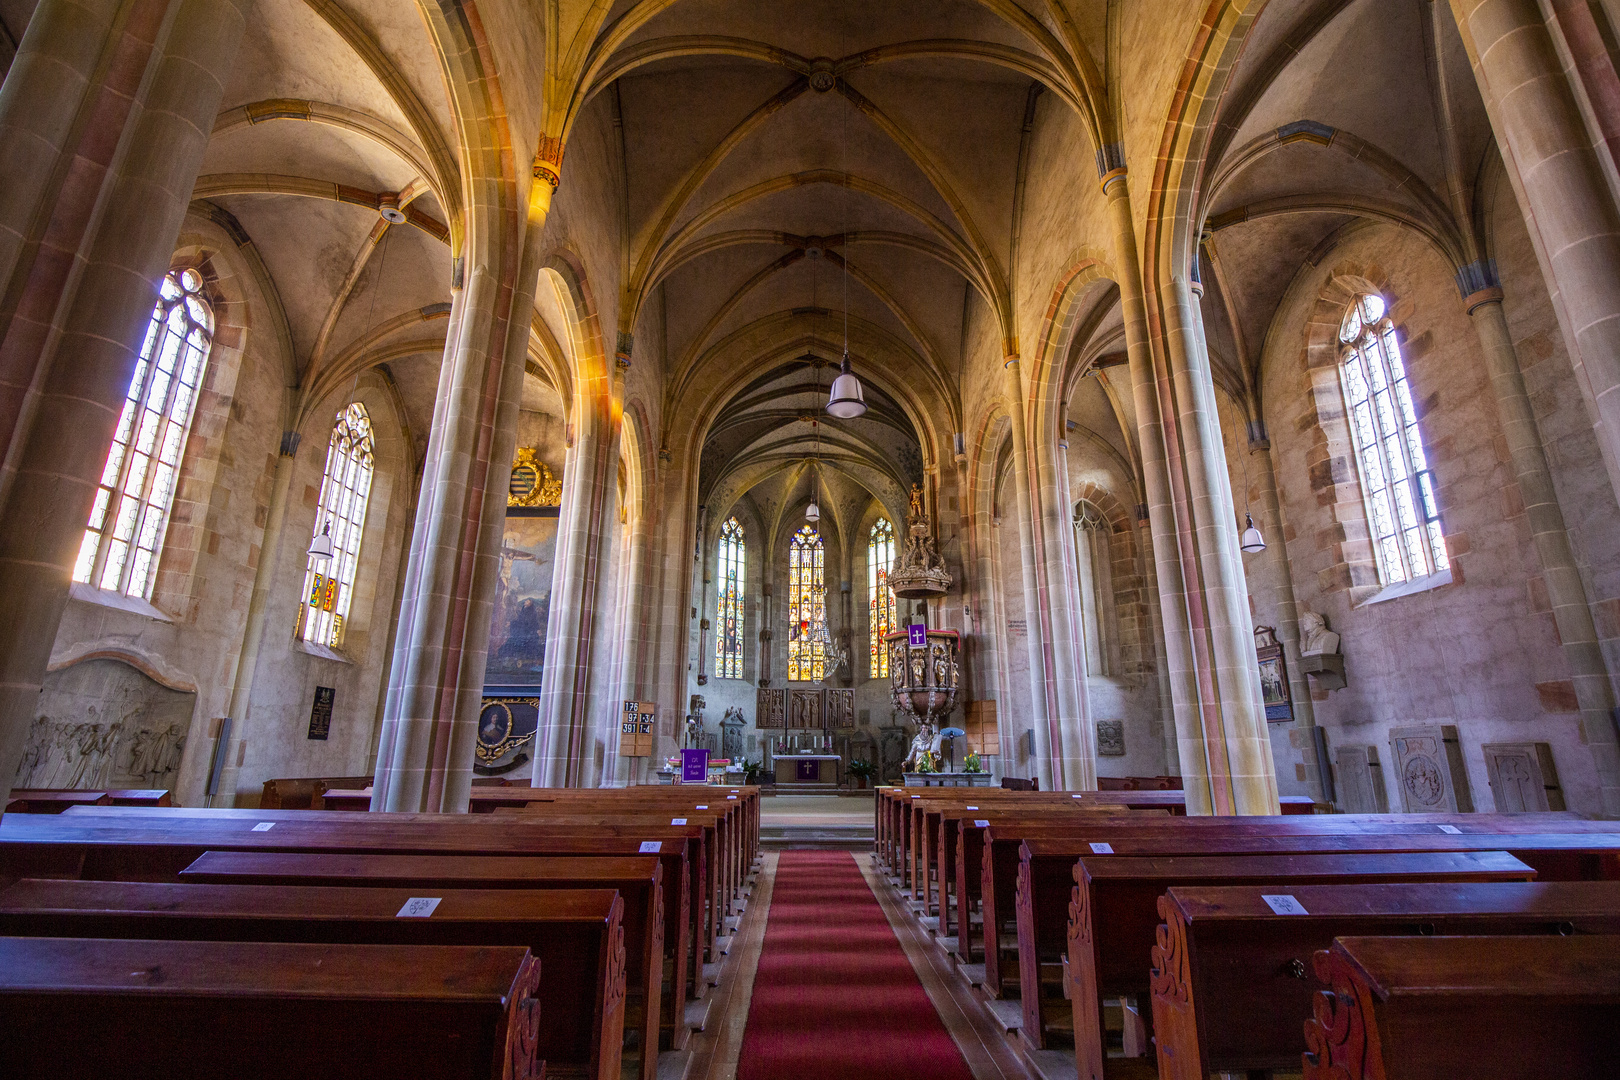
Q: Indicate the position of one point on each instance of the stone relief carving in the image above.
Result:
(104, 724)
(771, 708)
(1429, 769)
(1110, 738)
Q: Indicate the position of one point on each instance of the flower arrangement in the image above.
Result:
(927, 762)
(971, 763)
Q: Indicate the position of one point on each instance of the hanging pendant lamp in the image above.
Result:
(320, 548)
(846, 401)
(1252, 542)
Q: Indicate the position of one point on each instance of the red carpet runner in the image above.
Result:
(835, 996)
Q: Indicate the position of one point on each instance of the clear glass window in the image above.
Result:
(729, 586)
(807, 607)
(130, 516)
(345, 491)
(879, 561)
(1403, 516)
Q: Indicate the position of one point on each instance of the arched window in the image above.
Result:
(1096, 566)
(1402, 514)
(122, 542)
(341, 515)
(729, 586)
(807, 607)
(879, 560)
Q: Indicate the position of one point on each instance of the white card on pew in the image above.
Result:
(264, 826)
(1102, 849)
(981, 823)
(1074, 796)
(1452, 829)
(1284, 904)
(731, 796)
(703, 807)
(652, 847)
(970, 807)
(677, 821)
(418, 907)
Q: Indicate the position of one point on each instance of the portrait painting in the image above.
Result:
(517, 635)
(1274, 691)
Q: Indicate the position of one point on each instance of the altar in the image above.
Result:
(805, 774)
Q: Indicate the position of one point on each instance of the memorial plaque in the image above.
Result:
(1110, 738)
(1429, 770)
(320, 714)
(1360, 780)
(1523, 779)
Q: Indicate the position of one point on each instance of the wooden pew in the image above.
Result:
(638, 880)
(156, 845)
(999, 858)
(300, 793)
(1112, 921)
(1230, 974)
(577, 936)
(1488, 1008)
(82, 1008)
(54, 802)
(1043, 885)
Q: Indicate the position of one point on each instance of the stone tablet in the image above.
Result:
(1429, 770)
(1523, 779)
(1360, 780)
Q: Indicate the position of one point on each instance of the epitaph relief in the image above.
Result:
(1110, 738)
(771, 709)
(1523, 779)
(102, 723)
(1429, 770)
(1360, 780)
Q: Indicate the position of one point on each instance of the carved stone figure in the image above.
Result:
(731, 734)
(926, 740)
(1315, 639)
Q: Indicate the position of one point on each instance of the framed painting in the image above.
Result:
(517, 633)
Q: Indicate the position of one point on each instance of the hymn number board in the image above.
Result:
(636, 729)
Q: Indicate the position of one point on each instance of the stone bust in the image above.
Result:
(1315, 639)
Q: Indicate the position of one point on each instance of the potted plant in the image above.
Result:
(861, 771)
(926, 762)
(971, 763)
(751, 771)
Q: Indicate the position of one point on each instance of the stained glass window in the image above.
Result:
(345, 491)
(807, 607)
(1396, 482)
(729, 585)
(122, 541)
(879, 560)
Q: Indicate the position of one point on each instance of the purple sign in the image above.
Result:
(694, 766)
(917, 635)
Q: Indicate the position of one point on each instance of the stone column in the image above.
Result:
(562, 742)
(65, 123)
(1047, 738)
(59, 458)
(1217, 589)
(247, 659)
(1275, 557)
(1563, 187)
(1594, 691)
(636, 640)
(425, 754)
(1178, 663)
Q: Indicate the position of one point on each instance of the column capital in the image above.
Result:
(1110, 164)
(548, 160)
(1481, 297)
(289, 443)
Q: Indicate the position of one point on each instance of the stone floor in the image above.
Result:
(817, 821)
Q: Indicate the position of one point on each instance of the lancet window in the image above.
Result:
(807, 607)
(130, 516)
(341, 518)
(1402, 514)
(879, 561)
(729, 585)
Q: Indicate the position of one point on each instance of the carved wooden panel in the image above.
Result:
(770, 709)
(804, 710)
(1360, 780)
(1523, 779)
(1429, 770)
(840, 709)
